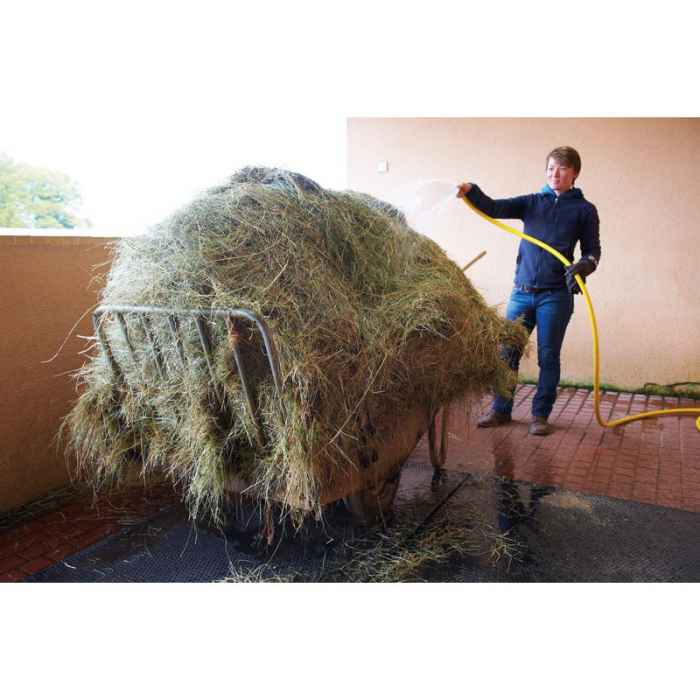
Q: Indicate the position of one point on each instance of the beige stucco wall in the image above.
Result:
(45, 290)
(642, 174)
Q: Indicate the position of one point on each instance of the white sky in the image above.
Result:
(143, 107)
(145, 103)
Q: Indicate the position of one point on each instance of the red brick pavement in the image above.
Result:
(655, 460)
(50, 537)
(652, 461)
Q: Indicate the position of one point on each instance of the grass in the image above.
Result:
(649, 389)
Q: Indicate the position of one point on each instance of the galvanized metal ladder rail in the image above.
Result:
(232, 318)
(200, 317)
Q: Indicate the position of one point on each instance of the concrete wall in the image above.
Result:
(642, 174)
(45, 290)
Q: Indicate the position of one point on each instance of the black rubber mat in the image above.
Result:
(552, 535)
(580, 538)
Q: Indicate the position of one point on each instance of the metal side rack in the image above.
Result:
(370, 489)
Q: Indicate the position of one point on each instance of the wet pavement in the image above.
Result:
(582, 504)
(519, 532)
(655, 461)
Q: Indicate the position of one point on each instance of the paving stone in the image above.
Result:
(655, 461)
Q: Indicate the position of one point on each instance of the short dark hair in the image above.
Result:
(566, 155)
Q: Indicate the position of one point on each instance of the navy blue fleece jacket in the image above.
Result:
(559, 221)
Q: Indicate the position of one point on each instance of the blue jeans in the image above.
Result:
(550, 311)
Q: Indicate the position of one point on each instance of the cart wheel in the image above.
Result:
(373, 504)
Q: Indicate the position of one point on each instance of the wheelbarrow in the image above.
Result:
(368, 490)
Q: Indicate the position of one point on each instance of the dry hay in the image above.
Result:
(402, 551)
(369, 317)
(401, 555)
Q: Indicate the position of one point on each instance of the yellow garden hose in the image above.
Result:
(594, 329)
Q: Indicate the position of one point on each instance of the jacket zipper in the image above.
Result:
(539, 250)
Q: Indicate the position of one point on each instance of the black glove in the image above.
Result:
(583, 267)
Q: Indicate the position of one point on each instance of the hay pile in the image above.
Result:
(369, 318)
(410, 548)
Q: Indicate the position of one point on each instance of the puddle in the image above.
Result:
(430, 530)
(467, 520)
(470, 528)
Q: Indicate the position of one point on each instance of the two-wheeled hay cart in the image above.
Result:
(368, 489)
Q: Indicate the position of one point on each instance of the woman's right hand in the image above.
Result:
(464, 189)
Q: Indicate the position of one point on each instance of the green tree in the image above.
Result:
(33, 197)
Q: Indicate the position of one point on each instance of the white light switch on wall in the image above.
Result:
(383, 166)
